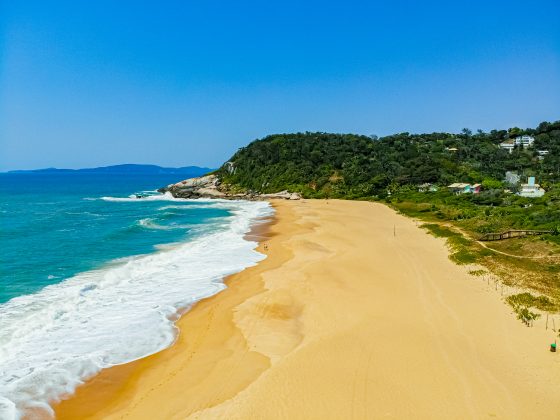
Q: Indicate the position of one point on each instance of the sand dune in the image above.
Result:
(356, 314)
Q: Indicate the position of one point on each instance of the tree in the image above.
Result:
(491, 184)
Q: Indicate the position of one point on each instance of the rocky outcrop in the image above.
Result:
(201, 187)
(209, 186)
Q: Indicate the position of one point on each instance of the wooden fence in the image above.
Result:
(512, 234)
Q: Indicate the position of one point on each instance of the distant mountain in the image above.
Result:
(187, 171)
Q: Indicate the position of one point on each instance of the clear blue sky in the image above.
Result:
(89, 83)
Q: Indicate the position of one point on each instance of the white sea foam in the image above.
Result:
(189, 206)
(51, 341)
(149, 223)
(177, 207)
(157, 197)
(79, 213)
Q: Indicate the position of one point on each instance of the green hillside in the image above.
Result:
(352, 166)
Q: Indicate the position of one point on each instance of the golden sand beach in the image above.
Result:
(356, 314)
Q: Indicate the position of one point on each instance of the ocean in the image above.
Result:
(92, 276)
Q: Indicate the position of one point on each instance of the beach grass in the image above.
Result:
(463, 250)
(530, 301)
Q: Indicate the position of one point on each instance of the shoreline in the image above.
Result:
(360, 322)
(111, 381)
(122, 309)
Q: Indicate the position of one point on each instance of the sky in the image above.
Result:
(178, 83)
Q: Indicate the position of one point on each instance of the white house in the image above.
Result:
(531, 189)
(542, 154)
(524, 141)
(508, 145)
(427, 186)
(519, 141)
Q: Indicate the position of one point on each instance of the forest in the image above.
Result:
(391, 168)
(321, 165)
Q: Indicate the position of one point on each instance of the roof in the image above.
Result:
(530, 185)
(458, 185)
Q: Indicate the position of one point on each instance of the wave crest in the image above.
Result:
(149, 223)
(55, 339)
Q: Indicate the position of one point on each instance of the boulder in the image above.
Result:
(209, 186)
(201, 187)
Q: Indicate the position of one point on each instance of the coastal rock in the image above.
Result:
(209, 186)
(200, 187)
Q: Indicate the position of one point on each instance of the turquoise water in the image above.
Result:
(92, 276)
(54, 226)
